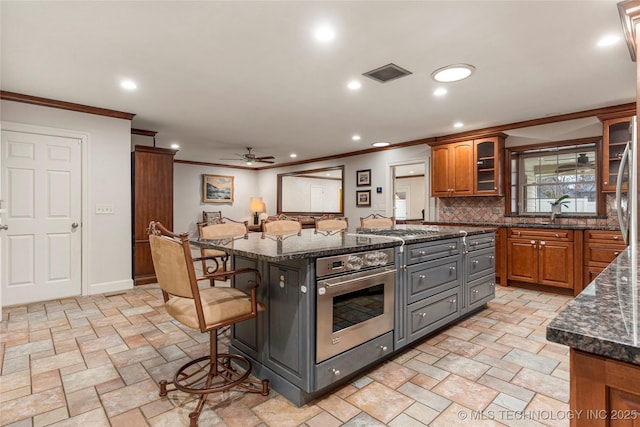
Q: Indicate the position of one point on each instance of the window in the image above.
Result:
(541, 176)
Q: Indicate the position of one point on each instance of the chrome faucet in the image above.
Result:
(553, 217)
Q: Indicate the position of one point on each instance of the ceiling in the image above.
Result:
(216, 77)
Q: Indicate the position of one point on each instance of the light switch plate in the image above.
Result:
(104, 209)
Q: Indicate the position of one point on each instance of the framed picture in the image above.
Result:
(217, 189)
(363, 178)
(363, 198)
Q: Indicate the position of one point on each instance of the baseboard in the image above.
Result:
(105, 287)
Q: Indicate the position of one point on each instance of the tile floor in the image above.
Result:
(94, 361)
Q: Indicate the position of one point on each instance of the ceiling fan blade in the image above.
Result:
(233, 159)
(265, 158)
(265, 161)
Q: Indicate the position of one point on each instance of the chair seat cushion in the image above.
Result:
(219, 305)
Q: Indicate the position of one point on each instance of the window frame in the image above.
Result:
(512, 153)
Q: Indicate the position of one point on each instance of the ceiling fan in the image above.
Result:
(249, 157)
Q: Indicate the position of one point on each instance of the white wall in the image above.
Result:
(188, 206)
(187, 195)
(108, 255)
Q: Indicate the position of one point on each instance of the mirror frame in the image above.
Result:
(306, 172)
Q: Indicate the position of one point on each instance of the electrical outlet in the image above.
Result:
(104, 209)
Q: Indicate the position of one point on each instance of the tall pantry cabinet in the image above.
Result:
(152, 194)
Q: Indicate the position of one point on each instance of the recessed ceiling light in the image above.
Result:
(356, 137)
(175, 146)
(325, 34)
(354, 85)
(293, 155)
(128, 84)
(412, 171)
(249, 163)
(458, 124)
(608, 40)
(381, 144)
(440, 91)
(453, 73)
(328, 174)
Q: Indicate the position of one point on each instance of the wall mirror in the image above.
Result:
(311, 192)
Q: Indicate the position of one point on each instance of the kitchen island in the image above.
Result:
(416, 279)
(602, 328)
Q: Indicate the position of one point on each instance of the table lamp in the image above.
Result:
(256, 205)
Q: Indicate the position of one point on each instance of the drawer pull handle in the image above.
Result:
(533, 242)
(493, 285)
(422, 276)
(474, 262)
(491, 257)
(383, 347)
(452, 268)
(422, 253)
(475, 291)
(422, 314)
(452, 247)
(452, 301)
(616, 237)
(616, 253)
(557, 235)
(336, 372)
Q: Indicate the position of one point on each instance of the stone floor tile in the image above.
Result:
(467, 393)
(422, 413)
(462, 366)
(126, 398)
(15, 381)
(133, 418)
(392, 374)
(82, 401)
(506, 387)
(363, 419)
(95, 418)
(31, 405)
(133, 373)
(57, 361)
(549, 411)
(541, 383)
(460, 332)
(338, 407)
(404, 420)
(380, 401)
(235, 414)
(521, 343)
(45, 381)
(28, 348)
(531, 361)
(458, 415)
(281, 412)
(89, 377)
(135, 355)
(424, 396)
(424, 381)
(426, 369)
(323, 419)
(50, 417)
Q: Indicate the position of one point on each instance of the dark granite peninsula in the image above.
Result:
(602, 328)
(337, 303)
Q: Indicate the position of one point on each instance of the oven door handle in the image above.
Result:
(358, 279)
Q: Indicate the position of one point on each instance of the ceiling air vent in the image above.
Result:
(387, 72)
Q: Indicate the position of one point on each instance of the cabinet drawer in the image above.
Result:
(481, 241)
(432, 277)
(480, 263)
(427, 251)
(541, 234)
(481, 291)
(604, 236)
(344, 364)
(602, 252)
(431, 313)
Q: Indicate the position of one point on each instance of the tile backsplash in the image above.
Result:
(491, 210)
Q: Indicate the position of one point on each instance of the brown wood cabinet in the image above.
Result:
(600, 248)
(604, 391)
(467, 168)
(452, 169)
(152, 175)
(542, 256)
(614, 139)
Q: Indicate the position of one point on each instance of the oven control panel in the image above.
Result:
(353, 262)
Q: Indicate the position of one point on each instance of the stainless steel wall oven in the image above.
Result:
(355, 300)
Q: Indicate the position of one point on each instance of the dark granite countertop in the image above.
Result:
(605, 318)
(527, 225)
(310, 244)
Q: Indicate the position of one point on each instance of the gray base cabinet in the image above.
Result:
(436, 283)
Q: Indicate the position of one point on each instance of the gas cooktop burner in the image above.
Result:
(399, 232)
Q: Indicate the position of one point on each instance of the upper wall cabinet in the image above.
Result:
(615, 135)
(467, 168)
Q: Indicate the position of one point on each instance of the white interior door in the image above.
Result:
(41, 245)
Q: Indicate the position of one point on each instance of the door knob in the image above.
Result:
(4, 227)
(74, 225)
